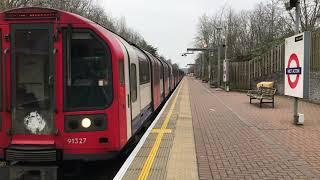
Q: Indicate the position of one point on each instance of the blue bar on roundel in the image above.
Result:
(296, 70)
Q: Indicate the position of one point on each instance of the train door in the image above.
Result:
(131, 69)
(4, 118)
(1, 107)
(170, 78)
(32, 80)
(161, 82)
(134, 89)
(126, 68)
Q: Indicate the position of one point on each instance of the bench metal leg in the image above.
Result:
(272, 102)
(260, 103)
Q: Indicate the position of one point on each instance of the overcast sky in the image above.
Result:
(169, 25)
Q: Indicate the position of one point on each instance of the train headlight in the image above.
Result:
(86, 122)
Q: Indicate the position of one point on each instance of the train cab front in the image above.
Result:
(58, 99)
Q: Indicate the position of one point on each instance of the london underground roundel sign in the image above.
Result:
(295, 71)
(297, 50)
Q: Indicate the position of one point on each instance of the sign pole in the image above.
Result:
(295, 110)
(297, 23)
(226, 58)
(219, 71)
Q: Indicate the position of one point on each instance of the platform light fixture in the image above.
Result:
(186, 53)
(289, 4)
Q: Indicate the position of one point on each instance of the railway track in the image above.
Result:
(102, 170)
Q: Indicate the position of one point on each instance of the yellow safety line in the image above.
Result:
(148, 163)
(167, 131)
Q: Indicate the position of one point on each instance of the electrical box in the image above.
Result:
(300, 119)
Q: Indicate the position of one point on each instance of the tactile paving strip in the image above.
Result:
(159, 167)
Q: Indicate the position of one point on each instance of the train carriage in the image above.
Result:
(71, 89)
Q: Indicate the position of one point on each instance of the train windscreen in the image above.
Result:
(88, 71)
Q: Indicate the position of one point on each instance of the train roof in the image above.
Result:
(38, 14)
(43, 13)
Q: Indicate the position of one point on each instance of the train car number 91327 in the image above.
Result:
(76, 140)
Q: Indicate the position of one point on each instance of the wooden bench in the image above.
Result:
(262, 94)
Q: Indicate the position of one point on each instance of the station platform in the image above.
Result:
(206, 133)
(168, 150)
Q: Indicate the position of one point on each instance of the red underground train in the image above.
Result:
(71, 89)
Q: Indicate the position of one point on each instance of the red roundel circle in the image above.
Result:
(294, 83)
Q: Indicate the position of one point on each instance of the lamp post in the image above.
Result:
(219, 55)
(226, 61)
(297, 22)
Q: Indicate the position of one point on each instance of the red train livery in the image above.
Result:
(71, 89)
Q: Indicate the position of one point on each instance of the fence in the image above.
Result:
(242, 74)
(315, 51)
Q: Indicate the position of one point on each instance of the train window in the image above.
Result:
(133, 82)
(144, 71)
(161, 71)
(88, 71)
(156, 72)
(166, 72)
(121, 72)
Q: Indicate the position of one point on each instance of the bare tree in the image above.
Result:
(91, 10)
(249, 32)
(310, 10)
